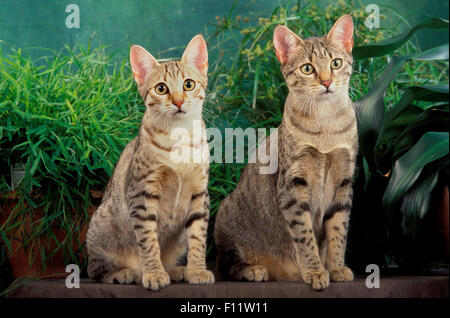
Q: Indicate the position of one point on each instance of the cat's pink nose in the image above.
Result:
(326, 83)
(178, 103)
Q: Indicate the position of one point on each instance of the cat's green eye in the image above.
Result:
(307, 69)
(161, 89)
(336, 64)
(188, 85)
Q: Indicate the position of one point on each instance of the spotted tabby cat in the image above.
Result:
(155, 209)
(292, 225)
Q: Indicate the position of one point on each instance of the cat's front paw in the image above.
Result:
(319, 279)
(341, 274)
(155, 280)
(198, 276)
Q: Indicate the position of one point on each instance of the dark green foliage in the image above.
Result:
(407, 145)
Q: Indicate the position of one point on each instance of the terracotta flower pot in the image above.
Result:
(20, 256)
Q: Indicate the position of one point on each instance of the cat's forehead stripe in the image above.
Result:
(179, 69)
(172, 70)
(165, 72)
(316, 47)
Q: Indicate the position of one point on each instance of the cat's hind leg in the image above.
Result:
(176, 273)
(98, 267)
(263, 268)
(254, 273)
(123, 276)
(104, 270)
(231, 266)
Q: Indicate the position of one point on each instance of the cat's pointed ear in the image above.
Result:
(285, 42)
(142, 63)
(342, 33)
(196, 53)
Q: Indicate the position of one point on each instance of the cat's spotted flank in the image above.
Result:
(155, 210)
(292, 225)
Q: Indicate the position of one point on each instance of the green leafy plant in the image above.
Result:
(66, 118)
(407, 143)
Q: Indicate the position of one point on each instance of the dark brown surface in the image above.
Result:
(390, 287)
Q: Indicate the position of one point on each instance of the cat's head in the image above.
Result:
(318, 67)
(174, 89)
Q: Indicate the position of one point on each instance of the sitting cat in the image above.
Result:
(154, 209)
(292, 224)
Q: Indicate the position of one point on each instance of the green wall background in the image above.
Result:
(156, 25)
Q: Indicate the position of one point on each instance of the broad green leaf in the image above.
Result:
(414, 120)
(416, 203)
(390, 45)
(367, 173)
(426, 121)
(406, 170)
(371, 108)
(424, 93)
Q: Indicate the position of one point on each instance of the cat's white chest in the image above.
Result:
(329, 142)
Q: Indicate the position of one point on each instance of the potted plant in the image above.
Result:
(65, 120)
(404, 158)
